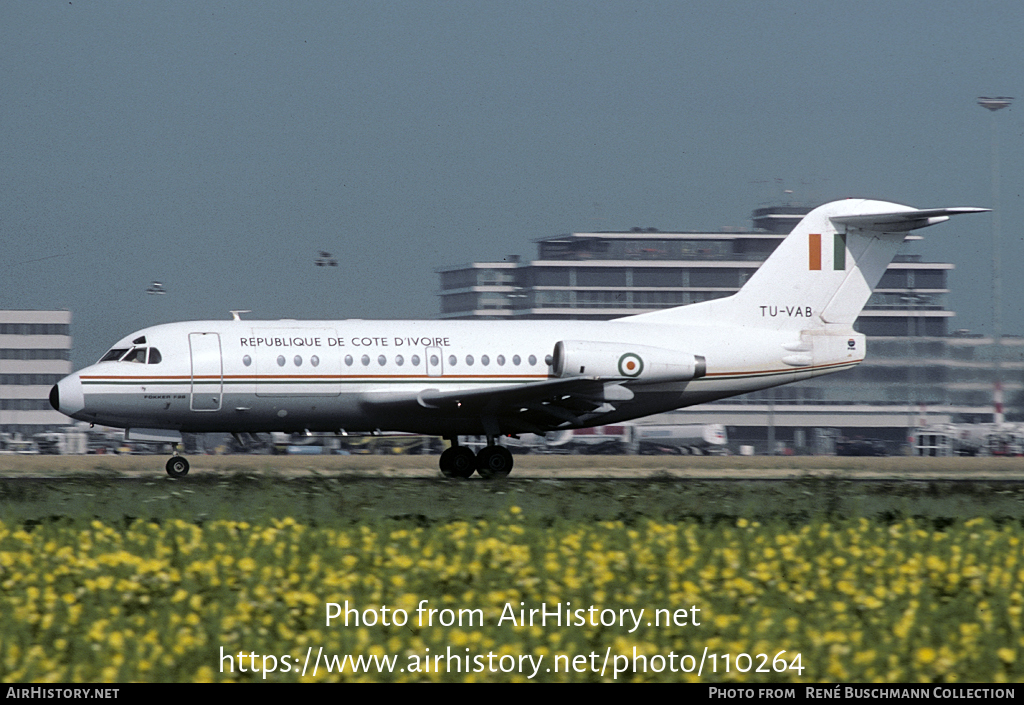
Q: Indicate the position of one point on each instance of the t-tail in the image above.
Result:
(821, 276)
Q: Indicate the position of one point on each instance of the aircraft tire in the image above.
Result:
(494, 462)
(177, 466)
(458, 461)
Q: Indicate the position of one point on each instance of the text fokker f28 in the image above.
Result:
(791, 321)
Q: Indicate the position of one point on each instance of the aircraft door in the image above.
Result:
(207, 371)
(435, 362)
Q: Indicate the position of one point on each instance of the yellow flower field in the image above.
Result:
(853, 600)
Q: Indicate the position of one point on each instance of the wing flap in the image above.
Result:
(469, 400)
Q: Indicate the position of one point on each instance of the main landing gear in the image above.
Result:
(494, 461)
(177, 466)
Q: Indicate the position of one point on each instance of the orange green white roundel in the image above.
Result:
(631, 365)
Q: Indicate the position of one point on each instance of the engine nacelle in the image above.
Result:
(581, 358)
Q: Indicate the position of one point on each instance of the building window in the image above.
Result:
(35, 354)
(715, 278)
(657, 277)
(586, 276)
(551, 276)
(551, 299)
(35, 329)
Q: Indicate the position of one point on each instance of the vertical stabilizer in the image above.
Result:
(822, 273)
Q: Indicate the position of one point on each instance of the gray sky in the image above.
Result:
(217, 146)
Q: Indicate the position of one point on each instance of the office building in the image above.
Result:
(35, 352)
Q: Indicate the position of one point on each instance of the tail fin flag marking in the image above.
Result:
(839, 252)
(814, 247)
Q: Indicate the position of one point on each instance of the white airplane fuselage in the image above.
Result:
(257, 376)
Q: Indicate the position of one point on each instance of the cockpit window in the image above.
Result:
(114, 354)
(133, 355)
(136, 355)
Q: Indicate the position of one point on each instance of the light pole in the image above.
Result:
(994, 104)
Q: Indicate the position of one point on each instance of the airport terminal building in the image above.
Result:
(35, 353)
(919, 368)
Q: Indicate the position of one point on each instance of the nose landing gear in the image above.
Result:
(491, 462)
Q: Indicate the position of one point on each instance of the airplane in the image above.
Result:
(791, 321)
(326, 259)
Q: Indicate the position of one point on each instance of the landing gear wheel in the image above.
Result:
(177, 466)
(494, 462)
(458, 461)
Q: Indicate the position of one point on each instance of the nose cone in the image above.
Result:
(67, 396)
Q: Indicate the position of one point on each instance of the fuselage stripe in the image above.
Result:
(357, 379)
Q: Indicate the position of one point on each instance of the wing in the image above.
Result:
(534, 407)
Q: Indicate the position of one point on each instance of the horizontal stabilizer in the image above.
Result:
(901, 221)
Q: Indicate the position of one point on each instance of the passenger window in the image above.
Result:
(532, 360)
(154, 356)
(415, 359)
(516, 360)
(452, 360)
(399, 360)
(298, 360)
(501, 360)
(314, 361)
(246, 360)
(365, 359)
(469, 359)
(280, 360)
(348, 360)
(484, 360)
(381, 360)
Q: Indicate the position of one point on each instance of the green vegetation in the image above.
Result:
(124, 574)
(858, 600)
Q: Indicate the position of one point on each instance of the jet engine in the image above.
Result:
(581, 358)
